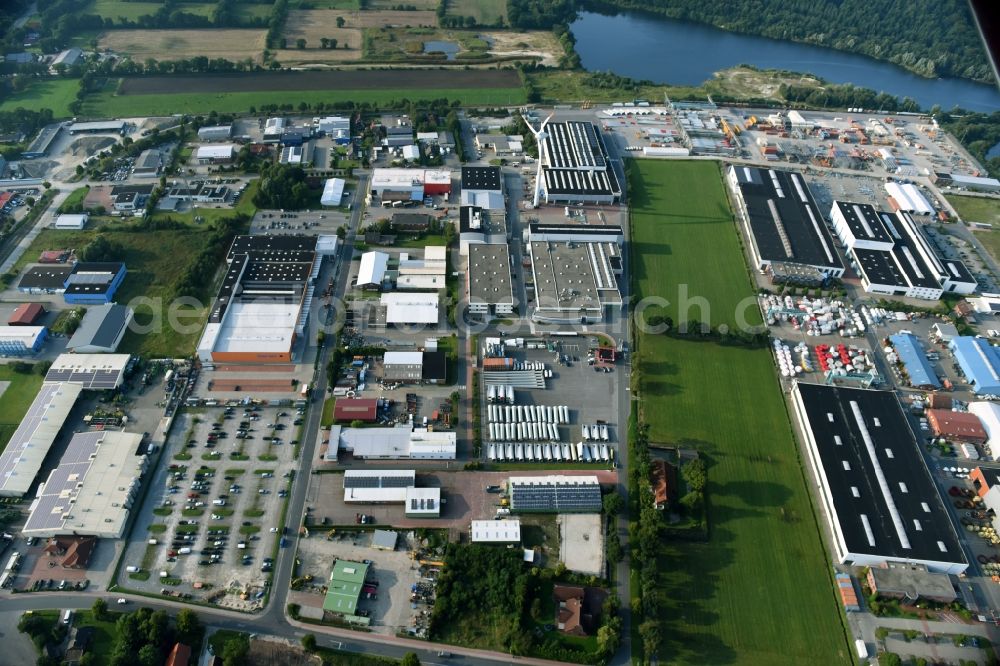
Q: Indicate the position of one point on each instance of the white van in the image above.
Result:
(132, 569)
(219, 502)
(67, 617)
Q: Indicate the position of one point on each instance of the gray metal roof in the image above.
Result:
(101, 327)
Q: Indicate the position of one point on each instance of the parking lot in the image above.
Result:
(214, 511)
(393, 574)
(589, 391)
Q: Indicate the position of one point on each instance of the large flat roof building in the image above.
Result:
(781, 220)
(263, 304)
(892, 256)
(574, 282)
(496, 531)
(91, 491)
(402, 442)
(878, 496)
(409, 308)
(575, 165)
(555, 494)
(40, 145)
(21, 460)
(91, 371)
(378, 486)
(488, 281)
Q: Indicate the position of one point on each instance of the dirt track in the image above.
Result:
(344, 80)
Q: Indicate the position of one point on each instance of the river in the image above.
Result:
(682, 53)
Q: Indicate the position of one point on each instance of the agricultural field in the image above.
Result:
(232, 44)
(388, 18)
(727, 600)
(120, 9)
(237, 93)
(313, 25)
(421, 5)
(55, 94)
(20, 389)
(485, 12)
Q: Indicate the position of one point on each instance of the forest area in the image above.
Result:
(932, 39)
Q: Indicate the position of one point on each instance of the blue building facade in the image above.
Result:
(94, 283)
(980, 363)
(22, 340)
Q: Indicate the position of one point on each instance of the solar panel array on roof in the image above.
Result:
(574, 145)
(376, 481)
(555, 494)
(28, 446)
(92, 371)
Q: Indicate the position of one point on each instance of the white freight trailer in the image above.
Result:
(604, 432)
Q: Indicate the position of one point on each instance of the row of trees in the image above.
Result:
(644, 539)
(832, 95)
(198, 276)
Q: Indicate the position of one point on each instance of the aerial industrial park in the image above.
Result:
(635, 380)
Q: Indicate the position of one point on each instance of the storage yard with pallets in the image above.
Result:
(548, 401)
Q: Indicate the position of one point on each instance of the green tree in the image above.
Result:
(340, 21)
(649, 631)
(149, 656)
(300, 43)
(889, 659)
(100, 609)
(410, 659)
(309, 642)
(234, 652)
(189, 628)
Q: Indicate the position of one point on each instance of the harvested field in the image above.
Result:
(385, 19)
(232, 44)
(349, 80)
(421, 5)
(313, 25)
(486, 12)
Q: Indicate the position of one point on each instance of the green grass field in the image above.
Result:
(15, 400)
(105, 633)
(760, 590)
(977, 209)
(678, 207)
(106, 104)
(117, 9)
(155, 260)
(486, 12)
(55, 94)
